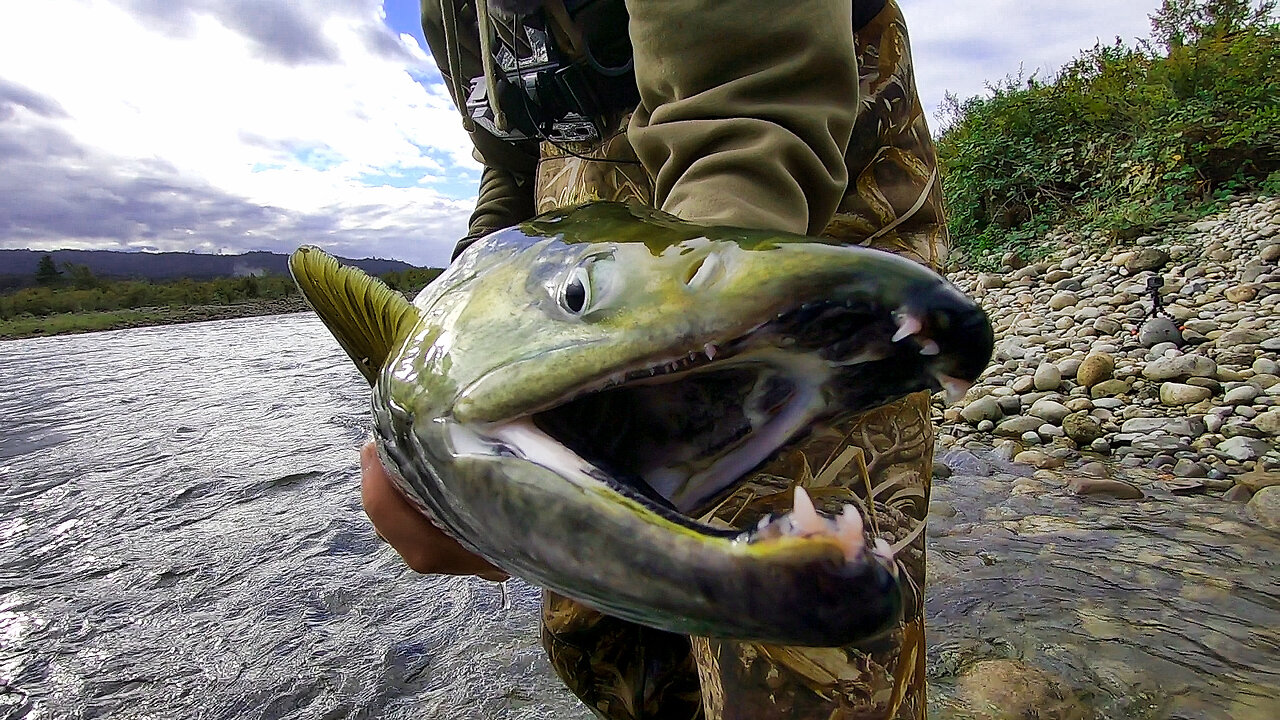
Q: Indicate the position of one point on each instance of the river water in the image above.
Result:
(181, 537)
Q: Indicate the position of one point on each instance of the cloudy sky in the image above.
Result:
(230, 125)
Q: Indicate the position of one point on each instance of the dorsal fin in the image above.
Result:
(368, 318)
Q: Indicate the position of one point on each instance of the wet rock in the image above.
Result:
(938, 508)
(1082, 428)
(1005, 450)
(1157, 330)
(1012, 690)
(1094, 469)
(1184, 486)
(1176, 394)
(1258, 478)
(1187, 468)
(1038, 459)
(1047, 377)
(1239, 494)
(1264, 507)
(1118, 489)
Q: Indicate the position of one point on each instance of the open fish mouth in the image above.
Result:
(571, 395)
(679, 433)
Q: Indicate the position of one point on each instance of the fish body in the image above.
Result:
(571, 393)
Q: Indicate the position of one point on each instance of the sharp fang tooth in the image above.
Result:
(929, 347)
(803, 516)
(908, 325)
(883, 552)
(849, 532)
(955, 388)
(710, 350)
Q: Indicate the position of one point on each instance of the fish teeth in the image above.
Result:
(883, 552)
(804, 517)
(908, 325)
(710, 349)
(849, 529)
(955, 388)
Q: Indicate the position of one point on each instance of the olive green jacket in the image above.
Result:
(745, 114)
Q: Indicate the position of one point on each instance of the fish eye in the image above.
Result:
(576, 294)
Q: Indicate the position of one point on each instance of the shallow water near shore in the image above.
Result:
(182, 537)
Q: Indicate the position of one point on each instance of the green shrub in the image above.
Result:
(1123, 139)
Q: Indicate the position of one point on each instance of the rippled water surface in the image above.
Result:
(182, 538)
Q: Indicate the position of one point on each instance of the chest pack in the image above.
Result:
(562, 70)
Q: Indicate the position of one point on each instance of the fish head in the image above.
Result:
(572, 392)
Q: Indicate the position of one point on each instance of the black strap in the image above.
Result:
(864, 11)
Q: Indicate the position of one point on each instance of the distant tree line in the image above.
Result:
(75, 288)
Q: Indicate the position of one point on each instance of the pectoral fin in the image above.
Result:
(368, 318)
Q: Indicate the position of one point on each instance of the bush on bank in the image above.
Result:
(1123, 139)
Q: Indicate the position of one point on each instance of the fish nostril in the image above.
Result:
(703, 271)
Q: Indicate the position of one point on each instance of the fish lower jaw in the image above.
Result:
(846, 530)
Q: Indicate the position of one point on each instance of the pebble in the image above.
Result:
(1175, 394)
(1105, 486)
(1264, 507)
(1047, 377)
(1196, 397)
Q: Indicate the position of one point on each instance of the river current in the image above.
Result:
(181, 537)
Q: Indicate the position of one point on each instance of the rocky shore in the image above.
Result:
(1087, 380)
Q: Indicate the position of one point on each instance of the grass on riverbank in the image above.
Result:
(94, 321)
(84, 303)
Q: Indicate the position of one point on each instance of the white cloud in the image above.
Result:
(959, 47)
(228, 125)
(220, 112)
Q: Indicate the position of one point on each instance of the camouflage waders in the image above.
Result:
(880, 460)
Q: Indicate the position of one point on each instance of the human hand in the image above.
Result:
(422, 545)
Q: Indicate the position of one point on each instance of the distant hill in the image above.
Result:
(18, 267)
